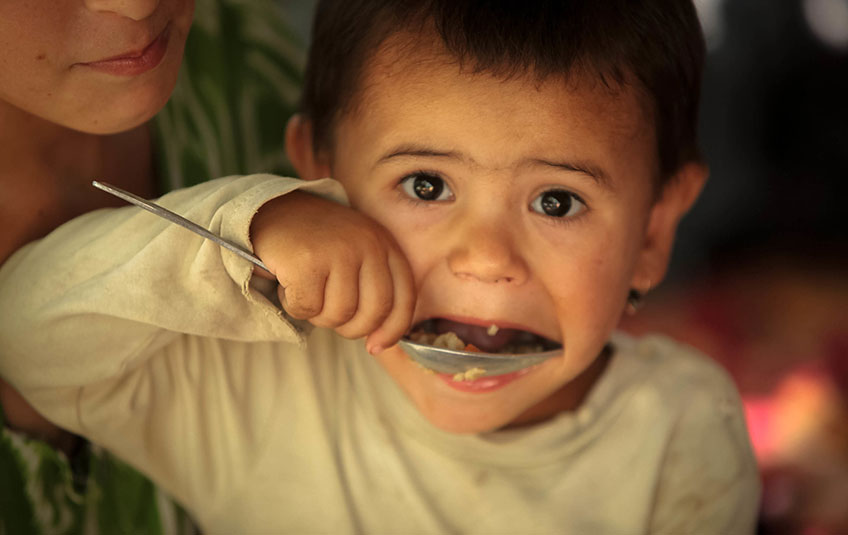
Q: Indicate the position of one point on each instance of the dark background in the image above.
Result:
(774, 129)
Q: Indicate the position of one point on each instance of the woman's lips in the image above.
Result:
(135, 63)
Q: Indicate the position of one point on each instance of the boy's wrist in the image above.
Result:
(284, 222)
(264, 228)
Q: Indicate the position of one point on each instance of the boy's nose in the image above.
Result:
(487, 254)
(133, 9)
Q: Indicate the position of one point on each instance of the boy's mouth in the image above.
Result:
(491, 339)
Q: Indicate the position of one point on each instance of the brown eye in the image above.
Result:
(557, 203)
(426, 187)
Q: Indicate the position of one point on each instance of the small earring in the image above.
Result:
(634, 301)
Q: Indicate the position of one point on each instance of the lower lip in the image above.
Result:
(482, 384)
(149, 58)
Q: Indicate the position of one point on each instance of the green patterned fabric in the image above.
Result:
(43, 492)
(238, 86)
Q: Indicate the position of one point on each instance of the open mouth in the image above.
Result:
(451, 334)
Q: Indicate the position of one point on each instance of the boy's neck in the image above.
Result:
(569, 397)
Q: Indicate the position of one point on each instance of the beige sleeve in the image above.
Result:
(127, 329)
(709, 482)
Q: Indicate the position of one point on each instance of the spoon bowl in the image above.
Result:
(452, 361)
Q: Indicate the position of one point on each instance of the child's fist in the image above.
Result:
(337, 268)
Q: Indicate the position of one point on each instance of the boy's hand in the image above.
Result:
(337, 268)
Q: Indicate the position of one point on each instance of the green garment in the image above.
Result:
(238, 85)
(43, 491)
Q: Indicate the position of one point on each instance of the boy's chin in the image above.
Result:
(466, 421)
(448, 413)
(465, 427)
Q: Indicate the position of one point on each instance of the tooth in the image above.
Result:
(492, 330)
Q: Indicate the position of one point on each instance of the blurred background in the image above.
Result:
(759, 277)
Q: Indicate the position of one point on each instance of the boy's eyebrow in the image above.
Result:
(586, 168)
(417, 150)
(592, 171)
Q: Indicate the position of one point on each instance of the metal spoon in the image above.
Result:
(438, 359)
(454, 361)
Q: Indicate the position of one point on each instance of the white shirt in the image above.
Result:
(158, 345)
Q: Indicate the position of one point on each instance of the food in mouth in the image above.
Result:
(454, 335)
(448, 340)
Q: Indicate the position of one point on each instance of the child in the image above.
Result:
(523, 167)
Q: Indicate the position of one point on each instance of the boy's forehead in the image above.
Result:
(422, 58)
(406, 85)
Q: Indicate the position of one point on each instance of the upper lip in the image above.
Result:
(136, 53)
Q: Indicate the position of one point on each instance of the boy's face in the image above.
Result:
(517, 204)
(100, 66)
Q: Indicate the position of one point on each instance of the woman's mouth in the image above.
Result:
(135, 62)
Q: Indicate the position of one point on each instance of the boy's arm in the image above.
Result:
(95, 325)
(123, 282)
(709, 481)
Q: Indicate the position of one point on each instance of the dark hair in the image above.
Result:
(659, 43)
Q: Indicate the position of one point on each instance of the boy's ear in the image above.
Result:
(677, 196)
(301, 150)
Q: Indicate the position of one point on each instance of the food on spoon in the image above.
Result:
(441, 333)
(448, 340)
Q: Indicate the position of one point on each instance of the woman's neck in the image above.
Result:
(45, 179)
(46, 172)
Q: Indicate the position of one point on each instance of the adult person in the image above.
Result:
(79, 82)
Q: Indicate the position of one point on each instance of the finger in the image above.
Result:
(375, 298)
(341, 297)
(304, 294)
(399, 320)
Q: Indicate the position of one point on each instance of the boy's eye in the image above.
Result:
(426, 187)
(558, 203)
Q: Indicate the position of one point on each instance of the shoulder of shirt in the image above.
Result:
(673, 371)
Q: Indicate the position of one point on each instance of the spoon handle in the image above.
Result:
(179, 220)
